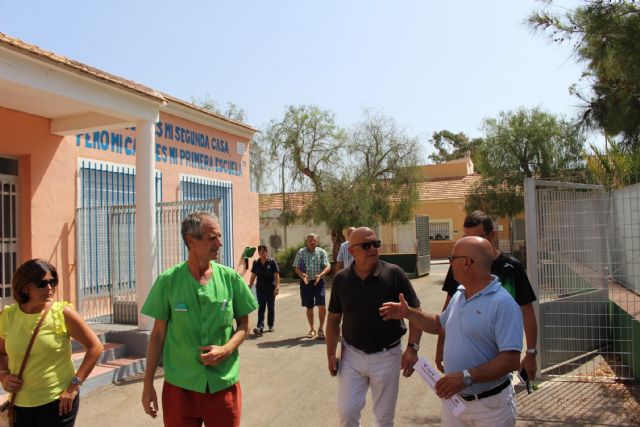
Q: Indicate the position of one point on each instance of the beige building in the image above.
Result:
(442, 196)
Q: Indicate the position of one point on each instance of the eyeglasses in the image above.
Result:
(44, 282)
(452, 257)
(367, 245)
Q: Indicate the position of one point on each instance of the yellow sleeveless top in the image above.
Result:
(49, 369)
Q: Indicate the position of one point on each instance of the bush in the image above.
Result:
(285, 261)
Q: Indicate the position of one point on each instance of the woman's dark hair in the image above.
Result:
(262, 247)
(31, 271)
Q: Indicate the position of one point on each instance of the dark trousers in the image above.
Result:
(266, 300)
(47, 415)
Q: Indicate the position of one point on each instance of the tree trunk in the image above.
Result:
(337, 238)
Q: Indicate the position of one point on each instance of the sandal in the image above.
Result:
(320, 334)
(311, 334)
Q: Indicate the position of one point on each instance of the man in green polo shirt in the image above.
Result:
(194, 305)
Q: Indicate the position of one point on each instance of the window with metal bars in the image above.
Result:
(8, 226)
(439, 231)
(103, 186)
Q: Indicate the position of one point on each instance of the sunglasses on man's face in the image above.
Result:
(367, 245)
(44, 282)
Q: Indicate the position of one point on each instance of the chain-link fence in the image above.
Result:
(584, 248)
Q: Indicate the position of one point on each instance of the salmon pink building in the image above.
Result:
(96, 173)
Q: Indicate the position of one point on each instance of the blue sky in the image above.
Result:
(430, 65)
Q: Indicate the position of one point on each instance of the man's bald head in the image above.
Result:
(478, 249)
(364, 247)
(361, 234)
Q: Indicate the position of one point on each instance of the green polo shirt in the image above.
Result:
(198, 315)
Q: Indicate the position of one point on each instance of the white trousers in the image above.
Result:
(494, 411)
(358, 372)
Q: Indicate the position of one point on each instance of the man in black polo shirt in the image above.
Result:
(266, 270)
(371, 350)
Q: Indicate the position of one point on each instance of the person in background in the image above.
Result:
(194, 305)
(267, 273)
(48, 393)
(513, 278)
(311, 264)
(344, 258)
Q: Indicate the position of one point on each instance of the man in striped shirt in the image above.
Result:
(311, 264)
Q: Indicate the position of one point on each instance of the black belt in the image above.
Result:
(488, 393)
(369, 351)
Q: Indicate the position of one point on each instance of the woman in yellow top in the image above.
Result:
(48, 391)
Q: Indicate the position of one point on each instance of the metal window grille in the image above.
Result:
(439, 231)
(103, 186)
(8, 232)
(198, 188)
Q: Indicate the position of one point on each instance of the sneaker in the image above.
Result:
(271, 329)
(258, 331)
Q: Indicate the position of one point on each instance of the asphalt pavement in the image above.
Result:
(285, 383)
(284, 376)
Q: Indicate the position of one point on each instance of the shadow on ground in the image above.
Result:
(290, 342)
(580, 403)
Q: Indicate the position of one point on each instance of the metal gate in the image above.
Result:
(423, 250)
(107, 289)
(583, 258)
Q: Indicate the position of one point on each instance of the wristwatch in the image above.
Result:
(76, 381)
(467, 379)
(414, 346)
(533, 351)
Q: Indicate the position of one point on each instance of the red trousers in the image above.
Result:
(186, 408)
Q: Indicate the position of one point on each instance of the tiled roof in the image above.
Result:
(297, 201)
(439, 189)
(447, 188)
(210, 112)
(22, 47)
(78, 67)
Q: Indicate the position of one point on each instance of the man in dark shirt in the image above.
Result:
(266, 270)
(371, 349)
(512, 277)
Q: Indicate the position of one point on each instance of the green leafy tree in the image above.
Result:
(377, 182)
(614, 167)
(366, 176)
(606, 36)
(452, 146)
(518, 144)
(302, 145)
(232, 111)
(309, 139)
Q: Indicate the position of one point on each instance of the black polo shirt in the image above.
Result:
(359, 302)
(265, 274)
(511, 275)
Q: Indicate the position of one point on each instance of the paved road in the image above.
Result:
(284, 376)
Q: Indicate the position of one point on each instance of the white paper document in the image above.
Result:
(430, 375)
